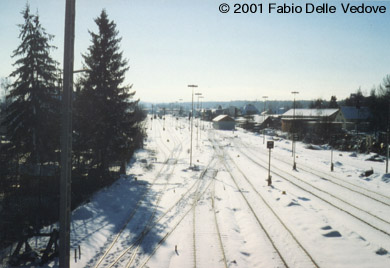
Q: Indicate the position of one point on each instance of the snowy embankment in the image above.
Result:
(221, 213)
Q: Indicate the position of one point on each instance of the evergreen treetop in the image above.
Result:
(33, 108)
(105, 109)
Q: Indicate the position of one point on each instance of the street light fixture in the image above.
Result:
(293, 130)
(192, 119)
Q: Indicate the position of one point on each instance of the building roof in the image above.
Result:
(260, 118)
(310, 112)
(353, 113)
(223, 117)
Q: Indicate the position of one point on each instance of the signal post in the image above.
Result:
(270, 145)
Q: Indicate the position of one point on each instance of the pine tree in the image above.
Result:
(105, 113)
(333, 102)
(32, 114)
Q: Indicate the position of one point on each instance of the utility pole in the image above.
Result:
(200, 117)
(66, 135)
(151, 120)
(164, 120)
(294, 137)
(192, 119)
(180, 112)
(197, 128)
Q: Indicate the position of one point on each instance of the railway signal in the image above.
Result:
(270, 145)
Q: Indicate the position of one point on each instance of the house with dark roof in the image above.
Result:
(303, 118)
(357, 118)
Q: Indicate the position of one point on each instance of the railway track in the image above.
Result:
(202, 186)
(134, 246)
(205, 185)
(331, 178)
(217, 226)
(305, 259)
(162, 141)
(129, 254)
(375, 222)
(173, 154)
(211, 252)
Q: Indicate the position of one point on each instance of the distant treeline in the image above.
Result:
(274, 106)
(107, 126)
(378, 101)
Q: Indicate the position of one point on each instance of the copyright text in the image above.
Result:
(307, 8)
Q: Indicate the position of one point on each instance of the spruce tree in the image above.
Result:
(333, 102)
(32, 114)
(105, 112)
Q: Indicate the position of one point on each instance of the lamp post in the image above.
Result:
(192, 119)
(179, 113)
(293, 129)
(265, 100)
(151, 121)
(172, 107)
(200, 116)
(174, 115)
(197, 129)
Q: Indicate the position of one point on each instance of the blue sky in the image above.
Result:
(172, 43)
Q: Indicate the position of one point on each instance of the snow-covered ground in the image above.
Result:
(222, 213)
